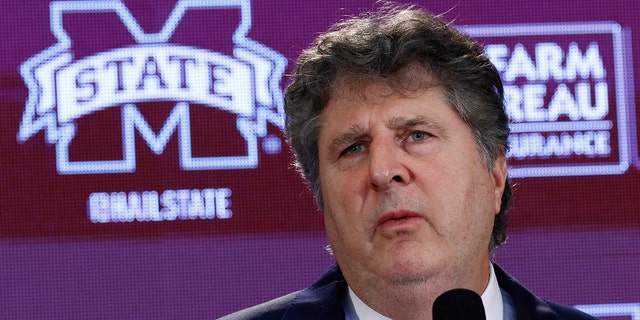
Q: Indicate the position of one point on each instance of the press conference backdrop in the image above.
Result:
(145, 176)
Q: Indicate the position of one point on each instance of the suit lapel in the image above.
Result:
(322, 300)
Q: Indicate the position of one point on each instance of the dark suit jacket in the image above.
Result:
(323, 300)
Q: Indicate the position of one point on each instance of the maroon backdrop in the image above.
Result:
(145, 174)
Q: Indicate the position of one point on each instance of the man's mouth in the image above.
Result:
(397, 221)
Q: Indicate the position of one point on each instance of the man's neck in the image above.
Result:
(415, 301)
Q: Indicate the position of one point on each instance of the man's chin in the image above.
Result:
(410, 280)
(403, 273)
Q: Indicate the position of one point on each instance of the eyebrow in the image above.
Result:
(354, 133)
(407, 123)
(400, 122)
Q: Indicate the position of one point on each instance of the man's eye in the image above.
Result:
(353, 149)
(418, 136)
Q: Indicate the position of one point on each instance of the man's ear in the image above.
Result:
(499, 174)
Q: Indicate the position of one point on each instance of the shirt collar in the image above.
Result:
(492, 298)
(356, 309)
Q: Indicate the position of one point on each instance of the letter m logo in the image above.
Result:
(67, 82)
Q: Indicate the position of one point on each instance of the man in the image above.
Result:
(397, 123)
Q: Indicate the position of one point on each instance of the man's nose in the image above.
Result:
(387, 167)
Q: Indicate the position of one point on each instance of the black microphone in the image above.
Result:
(458, 304)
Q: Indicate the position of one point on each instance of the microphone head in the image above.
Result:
(459, 304)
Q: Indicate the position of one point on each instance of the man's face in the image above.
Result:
(407, 198)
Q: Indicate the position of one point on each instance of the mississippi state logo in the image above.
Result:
(66, 83)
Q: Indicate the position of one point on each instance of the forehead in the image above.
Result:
(348, 120)
(357, 111)
(366, 95)
(409, 81)
(409, 93)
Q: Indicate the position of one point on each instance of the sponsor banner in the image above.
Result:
(568, 92)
